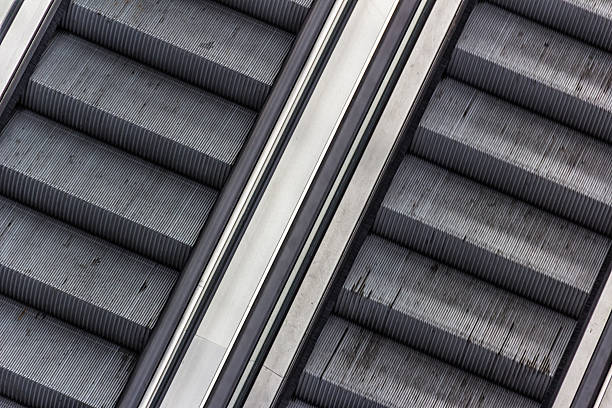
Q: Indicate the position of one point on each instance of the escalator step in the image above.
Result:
(522, 154)
(198, 41)
(292, 404)
(45, 363)
(286, 14)
(493, 236)
(477, 327)
(139, 110)
(102, 190)
(353, 367)
(4, 403)
(537, 68)
(587, 20)
(78, 278)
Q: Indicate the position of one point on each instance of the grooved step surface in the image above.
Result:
(286, 14)
(352, 367)
(476, 327)
(587, 20)
(292, 404)
(102, 190)
(538, 68)
(78, 278)
(522, 154)
(46, 363)
(199, 41)
(140, 110)
(4, 403)
(491, 235)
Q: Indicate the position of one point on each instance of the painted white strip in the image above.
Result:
(21, 36)
(349, 212)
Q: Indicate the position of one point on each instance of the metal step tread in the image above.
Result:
(102, 190)
(587, 20)
(351, 366)
(477, 327)
(537, 68)
(493, 236)
(5, 403)
(78, 278)
(199, 41)
(138, 109)
(286, 14)
(45, 363)
(292, 404)
(523, 154)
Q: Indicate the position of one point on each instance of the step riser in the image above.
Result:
(568, 18)
(324, 394)
(93, 219)
(166, 57)
(73, 310)
(530, 94)
(513, 180)
(33, 394)
(286, 14)
(126, 135)
(443, 345)
(483, 264)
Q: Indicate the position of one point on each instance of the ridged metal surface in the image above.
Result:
(138, 109)
(286, 14)
(353, 367)
(292, 404)
(102, 190)
(588, 20)
(196, 40)
(477, 327)
(494, 229)
(537, 68)
(170, 89)
(495, 237)
(4, 403)
(46, 363)
(522, 154)
(79, 278)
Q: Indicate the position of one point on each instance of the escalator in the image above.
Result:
(485, 250)
(124, 136)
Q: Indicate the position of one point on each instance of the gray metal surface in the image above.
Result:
(535, 67)
(292, 404)
(522, 154)
(587, 20)
(196, 40)
(477, 327)
(102, 190)
(286, 14)
(493, 236)
(138, 109)
(79, 278)
(44, 362)
(4, 403)
(352, 367)
(165, 149)
(494, 230)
